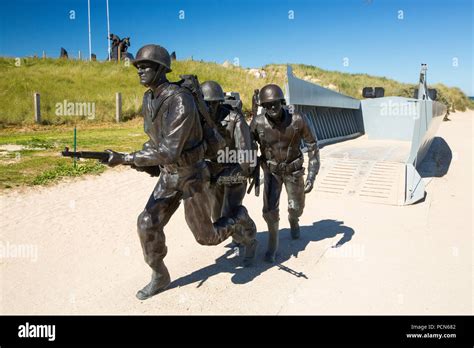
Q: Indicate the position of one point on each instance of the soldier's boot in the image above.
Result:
(226, 227)
(294, 228)
(236, 243)
(246, 235)
(250, 253)
(160, 280)
(251, 244)
(270, 255)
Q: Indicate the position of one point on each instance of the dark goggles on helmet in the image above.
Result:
(272, 104)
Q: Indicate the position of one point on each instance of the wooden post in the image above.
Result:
(36, 104)
(118, 106)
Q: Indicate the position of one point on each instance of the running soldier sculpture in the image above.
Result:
(230, 168)
(177, 145)
(279, 134)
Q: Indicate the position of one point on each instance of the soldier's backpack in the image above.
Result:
(233, 100)
(233, 103)
(212, 138)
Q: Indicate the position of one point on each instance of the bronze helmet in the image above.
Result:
(212, 91)
(270, 93)
(153, 53)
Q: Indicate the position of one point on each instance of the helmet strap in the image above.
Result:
(159, 77)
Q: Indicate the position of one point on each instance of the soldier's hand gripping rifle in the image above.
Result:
(104, 157)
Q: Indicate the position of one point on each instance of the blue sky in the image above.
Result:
(322, 33)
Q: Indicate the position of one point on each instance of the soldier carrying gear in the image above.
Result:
(279, 134)
(173, 124)
(232, 99)
(212, 91)
(228, 196)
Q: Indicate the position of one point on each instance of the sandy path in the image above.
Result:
(84, 255)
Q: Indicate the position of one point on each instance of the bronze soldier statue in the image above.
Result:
(230, 168)
(177, 145)
(279, 134)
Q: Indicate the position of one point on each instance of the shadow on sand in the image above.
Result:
(437, 161)
(231, 263)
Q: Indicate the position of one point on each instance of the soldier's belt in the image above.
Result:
(285, 168)
(173, 168)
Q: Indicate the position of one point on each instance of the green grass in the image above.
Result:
(57, 80)
(97, 82)
(62, 170)
(38, 162)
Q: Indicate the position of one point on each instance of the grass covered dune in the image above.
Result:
(30, 153)
(70, 81)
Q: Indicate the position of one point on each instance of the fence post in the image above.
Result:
(36, 103)
(118, 106)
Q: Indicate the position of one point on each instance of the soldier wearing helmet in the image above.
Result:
(173, 124)
(279, 134)
(229, 173)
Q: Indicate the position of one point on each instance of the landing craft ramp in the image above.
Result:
(372, 147)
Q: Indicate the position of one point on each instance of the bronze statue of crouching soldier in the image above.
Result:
(231, 167)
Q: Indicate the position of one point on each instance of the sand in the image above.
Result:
(73, 249)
